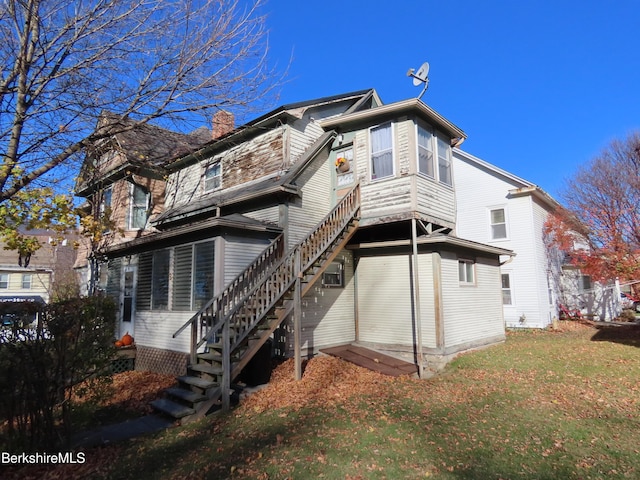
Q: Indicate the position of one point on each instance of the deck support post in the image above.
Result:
(416, 296)
(297, 317)
(225, 384)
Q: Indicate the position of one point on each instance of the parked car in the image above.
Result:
(631, 302)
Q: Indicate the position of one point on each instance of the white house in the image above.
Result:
(501, 209)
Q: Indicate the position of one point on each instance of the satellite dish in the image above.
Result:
(421, 74)
(420, 77)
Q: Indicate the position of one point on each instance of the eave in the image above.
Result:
(410, 106)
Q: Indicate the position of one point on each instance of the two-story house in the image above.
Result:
(333, 218)
(496, 207)
(45, 275)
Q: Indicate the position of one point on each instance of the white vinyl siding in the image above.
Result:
(471, 315)
(385, 304)
(328, 313)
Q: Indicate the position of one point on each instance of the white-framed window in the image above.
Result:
(333, 276)
(425, 152)
(444, 162)
(138, 207)
(381, 138)
(27, 280)
(105, 203)
(466, 272)
(213, 177)
(507, 294)
(498, 219)
(4, 280)
(160, 279)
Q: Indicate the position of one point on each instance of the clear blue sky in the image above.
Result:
(539, 87)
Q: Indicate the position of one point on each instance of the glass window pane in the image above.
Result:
(381, 151)
(160, 280)
(203, 274)
(444, 163)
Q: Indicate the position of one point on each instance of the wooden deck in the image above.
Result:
(376, 361)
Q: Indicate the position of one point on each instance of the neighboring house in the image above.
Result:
(498, 208)
(261, 232)
(48, 271)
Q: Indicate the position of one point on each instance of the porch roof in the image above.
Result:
(175, 235)
(436, 239)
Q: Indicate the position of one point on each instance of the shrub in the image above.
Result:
(40, 363)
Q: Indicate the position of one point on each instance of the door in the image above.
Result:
(127, 300)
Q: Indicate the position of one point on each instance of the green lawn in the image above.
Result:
(544, 405)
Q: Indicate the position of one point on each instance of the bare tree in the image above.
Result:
(63, 63)
(600, 226)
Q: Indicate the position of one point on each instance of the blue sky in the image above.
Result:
(539, 87)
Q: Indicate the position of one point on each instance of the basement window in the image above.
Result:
(333, 276)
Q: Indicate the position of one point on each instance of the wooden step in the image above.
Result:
(197, 382)
(171, 408)
(206, 368)
(184, 394)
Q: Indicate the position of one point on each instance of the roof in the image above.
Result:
(175, 235)
(282, 114)
(438, 239)
(413, 105)
(277, 182)
(143, 145)
(522, 187)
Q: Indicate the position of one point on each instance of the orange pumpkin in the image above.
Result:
(127, 339)
(119, 343)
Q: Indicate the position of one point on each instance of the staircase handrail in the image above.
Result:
(272, 254)
(348, 206)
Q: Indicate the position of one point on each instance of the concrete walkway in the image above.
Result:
(120, 431)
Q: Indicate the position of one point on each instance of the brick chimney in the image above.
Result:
(222, 123)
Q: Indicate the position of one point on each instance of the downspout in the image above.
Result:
(416, 296)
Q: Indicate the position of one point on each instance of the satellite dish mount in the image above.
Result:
(420, 77)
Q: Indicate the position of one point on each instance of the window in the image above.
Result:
(203, 272)
(4, 280)
(138, 206)
(498, 224)
(160, 280)
(26, 281)
(213, 177)
(466, 271)
(444, 162)
(105, 204)
(381, 151)
(333, 276)
(506, 289)
(425, 152)
(584, 283)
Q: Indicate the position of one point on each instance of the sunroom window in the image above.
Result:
(425, 152)
(444, 162)
(381, 151)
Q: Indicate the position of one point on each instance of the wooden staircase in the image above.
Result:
(232, 327)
